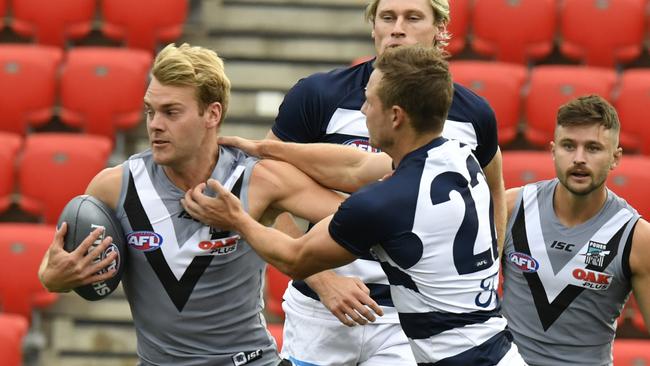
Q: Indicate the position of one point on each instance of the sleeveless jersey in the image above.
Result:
(565, 287)
(194, 291)
(431, 228)
(326, 107)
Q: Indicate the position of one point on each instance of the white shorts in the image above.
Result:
(310, 340)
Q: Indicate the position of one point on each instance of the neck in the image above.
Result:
(572, 210)
(407, 143)
(195, 170)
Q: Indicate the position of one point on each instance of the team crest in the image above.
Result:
(596, 253)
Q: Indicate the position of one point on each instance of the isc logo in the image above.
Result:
(524, 262)
(144, 240)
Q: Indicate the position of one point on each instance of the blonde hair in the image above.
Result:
(197, 67)
(441, 18)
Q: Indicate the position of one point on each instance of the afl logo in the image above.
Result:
(524, 262)
(145, 241)
(361, 144)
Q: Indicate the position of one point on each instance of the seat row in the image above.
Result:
(98, 89)
(138, 24)
(517, 93)
(596, 32)
(45, 170)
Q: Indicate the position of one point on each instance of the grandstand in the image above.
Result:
(526, 58)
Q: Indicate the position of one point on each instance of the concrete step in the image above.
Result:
(271, 76)
(283, 17)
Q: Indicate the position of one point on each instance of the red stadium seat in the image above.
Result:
(102, 88)
(631, 352)
(602, 33)
(143, 23)
(53, 22)
(68, 161)
(22, 246)
(630, 180)
(276, 284)
(13, 329)
(3, 12)
(500, 84)
(27, 85)
(9, 145)
(276, 331)
(552, 86)
(523, 167)
(634, 94)
(458, 25)
(525, 33)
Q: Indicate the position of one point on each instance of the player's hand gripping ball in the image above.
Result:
(83, 214)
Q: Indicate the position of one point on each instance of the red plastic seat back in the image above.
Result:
(631, 352)
(55, 167)
(9, 145)
(22, 246)
(27, 85)
(3, 12)
(144, 23)
(102, 88)
(501, 84)
(631, 105)
(630, 180)
(602, 32)
(552, 86)
(458, 25)
(523, 167)
(53, 22)
(514, 31)
(13, 329)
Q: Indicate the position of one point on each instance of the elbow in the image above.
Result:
(295, 271)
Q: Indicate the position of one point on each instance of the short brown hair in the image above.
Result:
(197, 67)
(417, 79)
(589, 110)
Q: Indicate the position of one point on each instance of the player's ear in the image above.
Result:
(399, 116)
(213, 115)
(618, 153)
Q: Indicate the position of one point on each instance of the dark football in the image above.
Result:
(83, 214)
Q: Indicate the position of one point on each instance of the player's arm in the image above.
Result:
(61, 271)
(494, 177)
(339, 167)
(511, 200)
(640, 268)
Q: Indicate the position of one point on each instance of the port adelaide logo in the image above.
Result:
(596, 253)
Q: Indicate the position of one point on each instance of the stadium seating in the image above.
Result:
(22, 246)
(615, 30)
(3, 11)
(631, 352)
(458, 25)
(55, 167)
(276, 284)
(525, 33)
(523, 167)
(551, 86)
(53, 22)
(9, 145)
(634, 93)
(27, 85)
(501, 84)
(13, 329)
(630, 180)
(102, 88)
(143, 23)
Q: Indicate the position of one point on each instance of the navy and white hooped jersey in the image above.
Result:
(431, 228)
(326, 107)
(565, 287)
(195, 291)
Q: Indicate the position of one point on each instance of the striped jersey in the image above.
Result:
(326, 107)
(430, 226)
(194, 290)
(565, 287)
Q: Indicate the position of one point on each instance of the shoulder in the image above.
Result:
(467, 105)
(512, 195)
(106, 185)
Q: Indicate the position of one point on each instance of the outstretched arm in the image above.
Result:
(339, 167)
(640, 267)
(494, 177)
